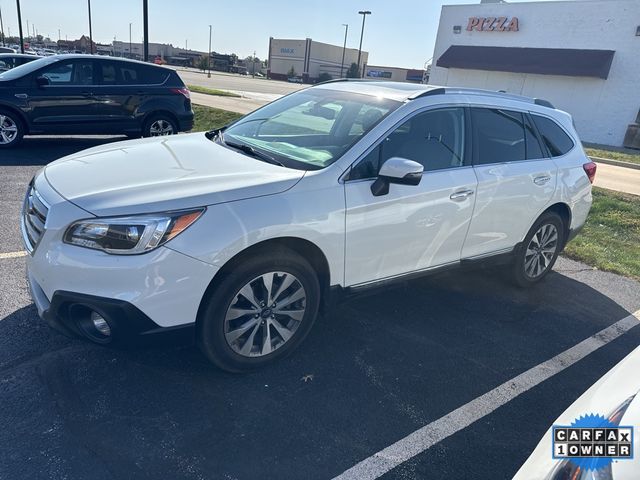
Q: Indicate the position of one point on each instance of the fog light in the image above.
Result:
(100, 324)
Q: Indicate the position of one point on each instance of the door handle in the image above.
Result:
(461, 195)
(86, 94)
(21, 95)
(541, 179)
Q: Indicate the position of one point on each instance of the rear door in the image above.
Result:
(516, 180)
(411, 228)
(66, 105)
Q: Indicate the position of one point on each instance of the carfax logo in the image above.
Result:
(592, 442)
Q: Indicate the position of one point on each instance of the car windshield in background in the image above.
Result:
(311, 129)
(27, 68)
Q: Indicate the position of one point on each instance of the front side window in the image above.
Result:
(69, 73)
(435, 139)
(310, 129)
(555, 139)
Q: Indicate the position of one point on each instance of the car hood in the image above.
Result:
(165, 173)
(618, 386)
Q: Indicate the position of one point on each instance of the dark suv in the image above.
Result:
(82, 94)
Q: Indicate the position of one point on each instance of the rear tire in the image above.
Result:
(159, 124)
(259, 311)
(11, 129)
(539, 250)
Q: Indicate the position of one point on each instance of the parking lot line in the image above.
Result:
(424, 438)
(13, 255)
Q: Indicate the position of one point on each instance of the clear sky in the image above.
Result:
(398, 33)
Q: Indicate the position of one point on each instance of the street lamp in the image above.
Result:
(344, 48)
(1, 27)
(90, 31)
(20, 26)
(130, 53)
(364, 14)
(209, 57)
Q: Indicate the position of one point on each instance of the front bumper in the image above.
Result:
(129, 325)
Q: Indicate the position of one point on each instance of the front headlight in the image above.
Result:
(130, 235)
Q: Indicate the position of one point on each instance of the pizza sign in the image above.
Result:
(493, 24)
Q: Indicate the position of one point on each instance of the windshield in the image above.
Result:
(27, 68)
(312, 128)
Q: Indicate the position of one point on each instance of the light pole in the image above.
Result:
(90, 30)
(1, 27)
(209, 57)
(20, 26)
(344, 48)
(130, 52)
(364, 14)
(145, 15)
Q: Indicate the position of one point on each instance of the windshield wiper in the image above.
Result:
(212, 134)
(253, 152)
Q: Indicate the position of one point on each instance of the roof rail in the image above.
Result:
(488, 93)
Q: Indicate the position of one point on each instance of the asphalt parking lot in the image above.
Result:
(374, 369)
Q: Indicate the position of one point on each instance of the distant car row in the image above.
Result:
(41, 52)
(82, 94)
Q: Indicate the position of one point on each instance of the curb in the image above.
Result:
(617, 163)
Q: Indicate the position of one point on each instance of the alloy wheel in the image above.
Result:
(8, 130)
(160, 128)
(541, 250)
(265, 314)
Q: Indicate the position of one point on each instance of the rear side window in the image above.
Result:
(556, 140)
(499, 136)
(155, 75)
(131, 75)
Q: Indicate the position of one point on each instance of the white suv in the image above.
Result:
(236, 237)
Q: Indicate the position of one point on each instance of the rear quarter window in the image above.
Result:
(553, 136)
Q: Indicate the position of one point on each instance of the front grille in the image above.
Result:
(34, 217)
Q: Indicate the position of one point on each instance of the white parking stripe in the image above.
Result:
(12, 255)
(433, 433)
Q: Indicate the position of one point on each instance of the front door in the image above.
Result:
(411, 228)
(66, 104)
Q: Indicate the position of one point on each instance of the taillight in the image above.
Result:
(590, 169)
(182, 91)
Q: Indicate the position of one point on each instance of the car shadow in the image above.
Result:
(374, 368)
(40, 150)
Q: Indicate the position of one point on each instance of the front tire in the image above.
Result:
(259, 312)
(540, 250)
(11, 129)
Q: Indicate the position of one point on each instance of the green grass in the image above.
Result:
(613, 155)
(610, 239)
(207, 118)
(212, 91)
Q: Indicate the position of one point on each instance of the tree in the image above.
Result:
(324, 77)
(203, 64)
(354, 71)
(291, 73)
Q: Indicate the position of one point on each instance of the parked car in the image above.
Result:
(12, 60)
(614, 399)
(81, 94)
(7, 50)
(237, 236)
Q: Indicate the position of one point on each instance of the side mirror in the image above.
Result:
(396, 170)
(42, 81)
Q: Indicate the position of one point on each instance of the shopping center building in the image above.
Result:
(583, 56)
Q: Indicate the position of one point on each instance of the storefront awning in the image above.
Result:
(545, 61)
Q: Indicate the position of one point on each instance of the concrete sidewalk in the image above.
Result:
(620, 179)
(241, 105)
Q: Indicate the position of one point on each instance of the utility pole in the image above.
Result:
(209, 57)
(1, 27)
(344, 48)
(364, 14)
(20, 26)
(90, 31)
(145, 15)
(130, 52)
